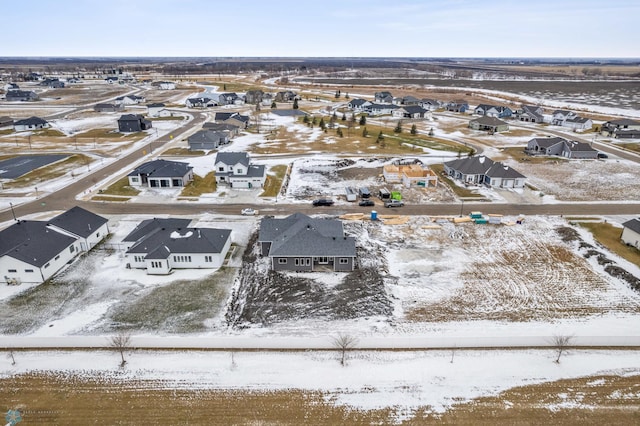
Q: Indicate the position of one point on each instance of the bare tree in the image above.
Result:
(344, 343)
(120, 343)
(11, 356)
(561, 343)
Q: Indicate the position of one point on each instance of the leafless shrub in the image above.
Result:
(120, 343)
(344, 343)
(561, 343)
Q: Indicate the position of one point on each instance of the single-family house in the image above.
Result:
(33, 251)
(530, 113)
(253, 97)
(148, 226)
(230, 99)
(161, 248)
(230, 130)
(481, 170)
(286, 96)
(457, 106)
(11, 86)
(406, 100)
(489, 124)
(21, 96)
(561, 147)
(31, 123)
(301, 243)
(234, 118)
(206, 140)
(133, 123)
(560, 115)
(623, 128)
(631, 233)
(161, 174)
(267, 99)
(164, 85)
(236, 170)
(497, 111)
(578, 123)
(52, 83)
(106, 107)
(111, 79)
(130, 100)
(200, 102)
(411, 111)
(357, 105)
(383, 97)
(87, 227)
(429, 104)
(158, 110)
(379, 109)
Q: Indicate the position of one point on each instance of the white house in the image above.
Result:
(31, 123)
(33, 251)
(161, 246)
(236, 170)
(631, 233)
(158, 110)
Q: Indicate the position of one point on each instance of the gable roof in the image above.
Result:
(162, 168)
(220, 126)
(633, 224)
(206, 136)
(31, 121)
(301, 235)
(548, 142)
(230, 158)
(489, 121)
(624, 122)
(576, 146)
(131, 117)
(476, 165)
(156, 105)
(33, 242)
(533, 110)
(357, 102)
(499, 170)
(150, 225)
(79, 221)
(223, 116)
(414, 109)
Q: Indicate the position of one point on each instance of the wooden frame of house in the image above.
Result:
(409, 175)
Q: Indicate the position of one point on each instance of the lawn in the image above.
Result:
(274, 180)
(120, 187)
(460, 191)
(200, 185)
(609, 236)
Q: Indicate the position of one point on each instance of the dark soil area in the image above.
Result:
(266, 297)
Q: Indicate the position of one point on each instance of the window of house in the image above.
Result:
(208, 258)
(13, 270)
(134, 179)
(28, 270)
(57, 257)
(221, 169)
(188, 258)
(282, 261)
(46, 266)
(296, 261)
(72, 249)
(239, 171)
(307, 261)
(344, 261)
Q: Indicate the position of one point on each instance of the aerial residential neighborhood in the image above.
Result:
(348, 238)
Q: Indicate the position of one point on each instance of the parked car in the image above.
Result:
(602, 155)
(393, 203)
(323, 202)
(249, 212)
(366, 203)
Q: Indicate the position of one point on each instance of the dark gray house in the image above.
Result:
(383, 97)
(253, 96)
(489, 123)
(21, 95)
(301, 243)
(481, 170)
(230, 130)
(623, 128)
(207, 140)
(561, 147)
(31, 123)
(133, 123)
(161, 174)
(234, 118)
(530, 113)
(108, 107)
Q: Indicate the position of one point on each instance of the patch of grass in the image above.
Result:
(581, 218)
(6, 131)
(100, 134)
(200, 185)
(609, 236)
(107, 198)
(121, 187)
(460, 191)
(49, 133)
(274, 180)
(178, 307)
(630, 146)
(183, 152)
(518, 154)
(170, 118)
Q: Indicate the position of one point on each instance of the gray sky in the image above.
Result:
(328, 28)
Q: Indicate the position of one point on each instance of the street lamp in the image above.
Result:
(13, 212)
(36, 188)
(461, 206)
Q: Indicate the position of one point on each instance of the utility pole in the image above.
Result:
(13, 212)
